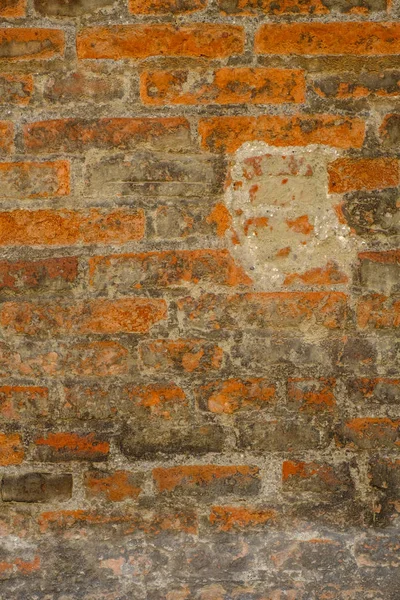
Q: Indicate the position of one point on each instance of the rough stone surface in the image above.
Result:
(199, 300)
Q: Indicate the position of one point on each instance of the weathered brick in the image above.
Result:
(6, 136)
(227, 134)
(69, 8)
(11, 449)
(328, 275)
(36, 487)
(166, 269)
(113, 486)
(318, 478)
(378, 550)
(380, 271)
(265, 310)
(368, 433)
(347, 174)
(296, 7)
(64, 446)
(261, 435)
(363, 39)
(12, 8)
(19, 567)
(34, 180)
(76, 135)
(366, 84)
(208, 480)
(186, 356)
(377, 311)
(232, 395)
(18, 44)
(311, 395)
(226, 518)
(381, 390)
(223, 86)
(165, 7)
(48, 227)
(15, 89)
(23, 402)
(390, 131)
(384, 474)
(150, 174)
(373, 212)
(129, 315)
(79, 86)
(207, 40)
(36, 276)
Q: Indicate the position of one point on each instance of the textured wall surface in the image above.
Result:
(200, 300)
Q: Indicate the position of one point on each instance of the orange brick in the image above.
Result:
(34, 180)
(295, 7)
(181, 355)
(67, 227)
(387, 257)
(378, 311)
(115, 487)
(17, 402)
(311, 395)
(206, 40)
(6, 136)
(76, 135)
(165, 7)
(20, 566)
(316, 477)
(363, 39)
(15, 89)
(11, 450)
(31, 43)
(200, 477)
(227, 134)
(368, 433)
(12, 8)
(21, 277)
(263, 310)
(226, 518)
(231, 395)
(320, 276)
(227, 86)
(347, 174)
(127, 315)
(167, 269)
(71, 446)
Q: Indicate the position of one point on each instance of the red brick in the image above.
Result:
(239, 479)
(388, 257)
(232, 395)
(348, 174)
(18, 402)
(30, 44)
(125, 315)
(165, 7)
(296, 7)
(227, 86)
(15, 89)
(226, 518)
(34, 180)
(315, 477)
(227, 134)
(311, 395)
(264, 310)
(147, 522)
(206, 40)
(12, 8)
(368, 433)
(362, 38)
(77, 135)
(156, 400)
(328, 275)
(22, 277)
(115, 487)
(6, 136)
(11, 450)
(71, 446)
(166, 269)
(377, 311)
(181, 355)
(48, 227)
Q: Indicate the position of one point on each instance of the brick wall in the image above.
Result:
(200, 299)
